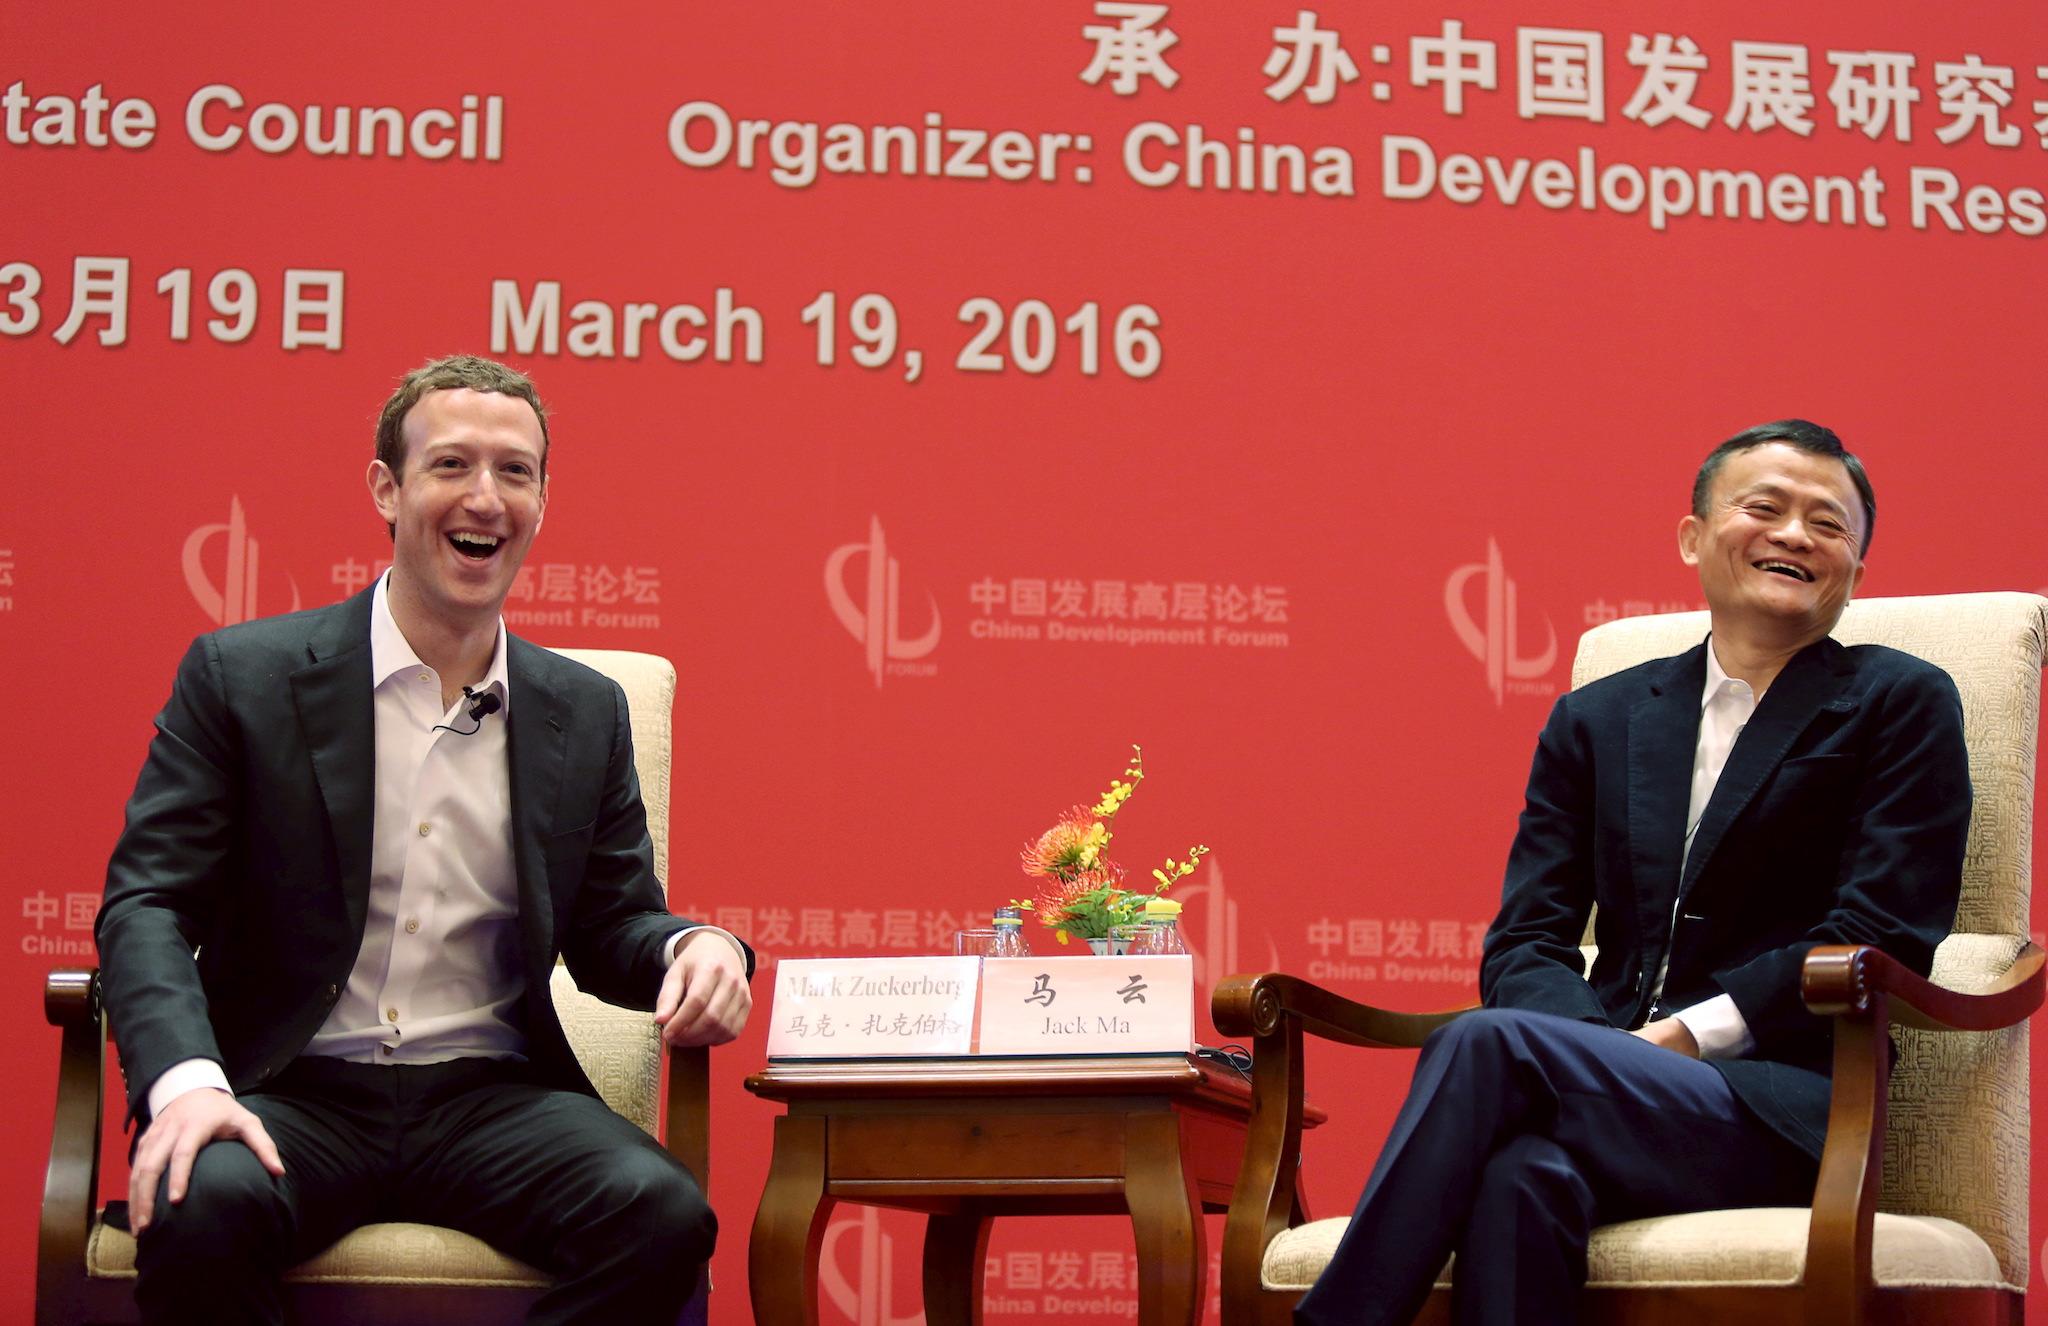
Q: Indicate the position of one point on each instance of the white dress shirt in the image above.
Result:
(439, 975)
(1726, 704)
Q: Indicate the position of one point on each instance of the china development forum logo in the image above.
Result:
(868, 1295)
(234, 598)
(1494, 636)
(875, 619)
(1216, 952)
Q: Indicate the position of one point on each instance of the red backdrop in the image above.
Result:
(1308, 484)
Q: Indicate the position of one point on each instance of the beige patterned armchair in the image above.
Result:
(85, 1268)
(1920, 1213)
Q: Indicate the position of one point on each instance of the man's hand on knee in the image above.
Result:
(1672, 1035)
(173, 1141)
(704, 999)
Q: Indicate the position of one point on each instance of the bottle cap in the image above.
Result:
(1161, 909)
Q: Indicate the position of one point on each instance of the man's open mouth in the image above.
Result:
(1799, 573)
(476, 547)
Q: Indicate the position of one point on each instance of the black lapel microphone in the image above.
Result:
(480, 707)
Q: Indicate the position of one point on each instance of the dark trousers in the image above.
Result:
(552, 1177)
(1520, 1133)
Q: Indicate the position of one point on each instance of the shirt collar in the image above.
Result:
(391, 653)
(1718, 678)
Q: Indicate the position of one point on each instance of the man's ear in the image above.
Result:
(1689, 531)
(540, 516)
(383, 491)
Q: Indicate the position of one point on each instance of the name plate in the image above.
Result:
(1087, 1005)
(836, 1007)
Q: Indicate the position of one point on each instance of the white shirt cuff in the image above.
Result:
(675, 941)
(1718, 1026)
(183, 1076)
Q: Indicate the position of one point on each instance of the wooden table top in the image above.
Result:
(980, 1078)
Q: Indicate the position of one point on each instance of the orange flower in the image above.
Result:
(1069, 848)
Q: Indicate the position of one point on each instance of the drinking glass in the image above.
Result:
(977, 943)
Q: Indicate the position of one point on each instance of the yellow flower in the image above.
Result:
(1174, 870)
(1092, 843)
(1120, 791)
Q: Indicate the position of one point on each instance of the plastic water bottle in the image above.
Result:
(1161, 934)
(1009, 940)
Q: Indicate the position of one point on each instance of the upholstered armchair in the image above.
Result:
(1920, 1211)
(85, 1268)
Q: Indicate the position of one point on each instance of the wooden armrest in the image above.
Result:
(689, 1111)
(1865, 992)
(1254, 1004)
(71, 996)
(1840, 979)
(71, 1184)
(1274, 1010)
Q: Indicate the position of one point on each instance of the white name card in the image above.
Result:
(1087, 1005)
(835, 1007)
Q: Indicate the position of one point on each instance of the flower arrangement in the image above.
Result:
(1084, 892)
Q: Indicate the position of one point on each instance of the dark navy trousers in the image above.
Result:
(549, 1176)
(1520, 1133)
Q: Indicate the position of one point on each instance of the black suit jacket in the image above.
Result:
(1839, 819)
(248, 841)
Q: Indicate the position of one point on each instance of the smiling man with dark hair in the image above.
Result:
(1799, 435)
(1727, 810)
(360, 839)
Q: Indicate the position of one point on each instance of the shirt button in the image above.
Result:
(426, 676)
(426, 829)
(391, 1014)
(389, 1050)
(333, 992)
(412, 925)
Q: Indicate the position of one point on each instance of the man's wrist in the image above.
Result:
(677, 940)
(1719, 1028)
(186, 1075)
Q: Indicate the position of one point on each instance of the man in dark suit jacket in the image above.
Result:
(375, 826)
(1727, 810)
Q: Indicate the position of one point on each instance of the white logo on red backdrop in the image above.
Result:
(1188, 612)
(7, 579)
(63, 924)
(1216, 953)
(1438, 950)
(1602, 610)
(234, 598)
(875, 620)
(867, 1295)
(1493, 637)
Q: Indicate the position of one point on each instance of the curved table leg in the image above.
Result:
(1166, 1216)
(782, 1253)
(955, 1248)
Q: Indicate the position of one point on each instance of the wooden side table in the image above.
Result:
(966, 1140)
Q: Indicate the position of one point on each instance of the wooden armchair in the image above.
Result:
(85, 1268)
(1920, 1211)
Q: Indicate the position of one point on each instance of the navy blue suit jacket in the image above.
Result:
(248, 840)
(1839, 819)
